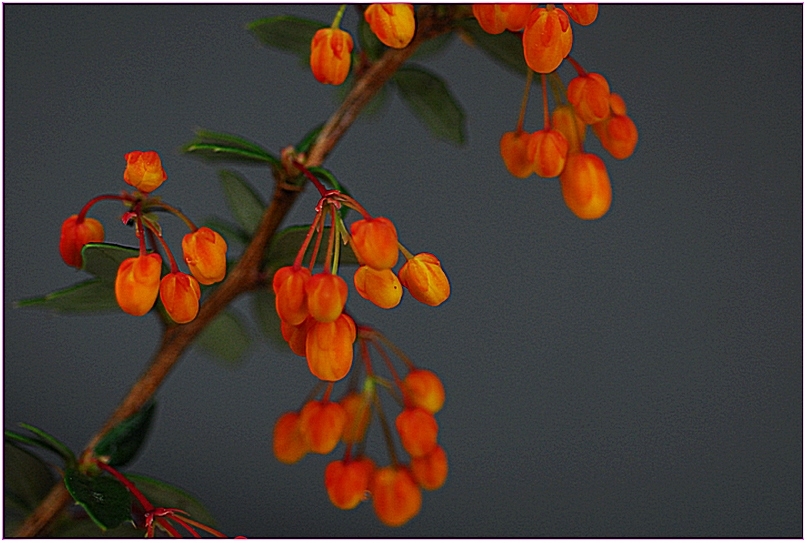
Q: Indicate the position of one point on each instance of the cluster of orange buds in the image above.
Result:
(320, 425)
(331, 48)
(557, 149)
(138, 281)
(311, 306)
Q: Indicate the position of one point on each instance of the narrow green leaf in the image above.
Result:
(263, 305)
(309, 139)
(46, 441)
(26, 478)
(244, 203)
(505, 48)
(286, 244)
(105, 499)
(287, 33)
(122, 443)
(88, 296)
(220, 146)
(430, 100)
(103, 259)
(225, 338)
(162, 494)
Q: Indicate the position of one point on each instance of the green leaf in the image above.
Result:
(244, 203)
(226, 338)
(103, 259)
(45, 441)
(263, 305)
(26, 481)
(229, 231)
(287, 33)
(122, 443)
(369, 42)
(505, 48)
(309, 139)
(219, 146)
(286, 244)
(432, 47)
(430, 100)
(105, 499)
(90, 295)
(162, 494)
(86, 528)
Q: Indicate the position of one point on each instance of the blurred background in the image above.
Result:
(635, 376)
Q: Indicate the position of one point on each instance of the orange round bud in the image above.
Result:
(547, 150)
(425, 279)
(137, 283)
(75, 236)
(180, 295)
(287, 441)
(547, 39)
(329, 348)
(393, 24)
(585, 186)
(430, 471)
(513, 148)
(347, 481)
(418, 430)
(330, 55)
(396, 496)
(376, 241)
(381, 287)
(295, 334)
(618, 135)
(144, 170)
(422, 388)
(582, 14)
(565, 121)
(321, 425)
(205, 253)
(590, 96)
(291, 302)
(496, 18)
(617, 105)
(326, 294)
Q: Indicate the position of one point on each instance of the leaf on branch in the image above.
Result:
(505, 48)
(217, 146)
(105, 499)
(263, 306)
(229, 231)
(431, 48)
(244, 203)
(225, 338)
(369, 42)
(44, 440)
(430, 100)
(26, 481)
(90, 295)
(162, 494)
(287, 33)
(123, 442)
(103, 259)
(286, 244)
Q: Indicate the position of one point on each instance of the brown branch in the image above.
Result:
(245, 276)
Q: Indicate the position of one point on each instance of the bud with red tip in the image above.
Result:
(76, 235)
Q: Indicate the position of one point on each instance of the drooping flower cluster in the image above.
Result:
(331, 48)
(557, 149)
(138, 281)
(320, 425)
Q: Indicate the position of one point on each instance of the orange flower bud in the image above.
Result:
(290, 298)
(430, 471)
(144, 170)
(381, 287)
(330, 55)
(422, 388)
(590, 96)
(326, 295)
(376, 241)
(76, 235)
(321, 425)
(547, 39)
(137, 283)
(617, 105)
(565, 121)
(618, 135)
(287, 441)
(396, 496)
(547, 150)
(418, 430)
(329, 348)
(205, 253)
(496, 18)
(358, 417)
(582, 14)
(347, 481)
(295, 334)
(393, 24)
(585, 186)
(513, 148)
(180, 294)
(425, 279)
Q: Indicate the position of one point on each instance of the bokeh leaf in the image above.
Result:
(105, 499)
(45, 441)
(26, 481)
(229, 231)
(430, 100)
(369, 42)
(162, 494)
(103, 259)
(433, 47)
(90, 295)
(263, 305)
(505, 48)
(287, 33)
(286, 244)
(225, 338)
(218, 146)
(244, 203)
(122, 443)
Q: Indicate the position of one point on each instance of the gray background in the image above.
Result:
(640, 375)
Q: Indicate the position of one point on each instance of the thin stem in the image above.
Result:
(546, 102)
(319, 220)
(127, 483)
(580, 71)
(84, 210)
(338, 18)
(524, 99)
(176, 212)
(337, 240)
(406, 253)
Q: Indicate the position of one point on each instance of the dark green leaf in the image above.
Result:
(226, 338)
(263, 305)
(432, 47)
(430, 100)
(26, 478)
(286, 244)
(229, 231)
(103, 259)
(309, 139)
(290, 34)
(44, 440)
(105, 499)
(505, 48)
(217, 146)
(369, 42)
(244, 203)
(90, 295)
(86, 528)
(164, 495)
(122, 443)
